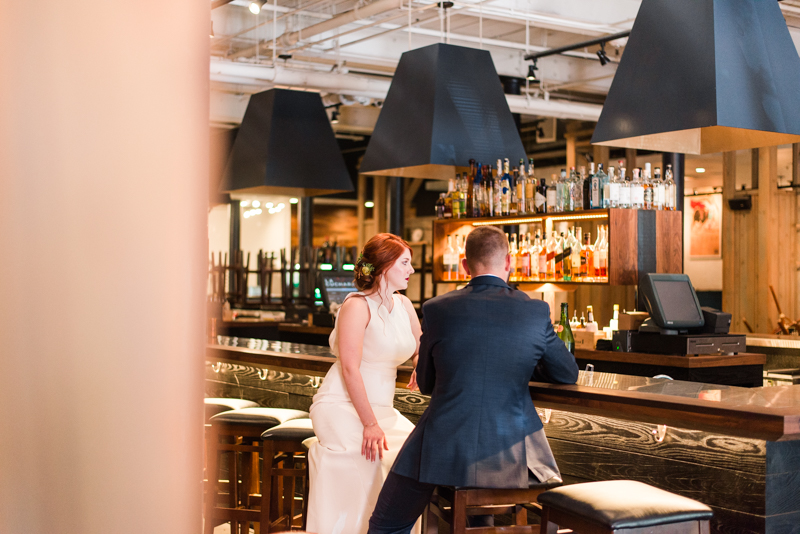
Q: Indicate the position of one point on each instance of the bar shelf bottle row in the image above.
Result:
(560, 257)
(502, 191)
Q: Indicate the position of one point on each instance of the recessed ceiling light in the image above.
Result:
(293, 200)
(700, 170)
(369, 204)
(255, 6)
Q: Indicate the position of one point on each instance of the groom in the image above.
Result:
(479, 348)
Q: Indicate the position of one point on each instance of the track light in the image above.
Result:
(211, 33)
(255, 6)
(335, 117)
(601, 55)
(532, 72)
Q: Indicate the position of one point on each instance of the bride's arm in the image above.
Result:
(352, 323)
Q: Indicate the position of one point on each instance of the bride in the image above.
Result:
(359, 431)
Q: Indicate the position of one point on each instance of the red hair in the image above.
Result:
(380, 252)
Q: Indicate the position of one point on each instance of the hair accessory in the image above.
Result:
(366, 268)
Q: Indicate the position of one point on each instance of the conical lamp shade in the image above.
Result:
(445, 106)
(286, 146)
(704, 76)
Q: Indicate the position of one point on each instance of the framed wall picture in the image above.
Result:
(705, 232)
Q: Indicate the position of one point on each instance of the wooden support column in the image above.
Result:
(630, 160)
(601, 156)
(759, 246)
(380, 210)
(361, 211)
(571, 154)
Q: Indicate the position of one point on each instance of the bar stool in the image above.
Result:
(454, 504)
(283, 449)
(239, 433)
(215, 405)
(621, 506)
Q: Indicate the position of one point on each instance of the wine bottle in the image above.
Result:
(563, 329)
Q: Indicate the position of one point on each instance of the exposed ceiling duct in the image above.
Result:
(286, 146)
(704, 76)
(444, 107)
(376, 88)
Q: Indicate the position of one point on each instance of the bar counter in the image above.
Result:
(735, 449)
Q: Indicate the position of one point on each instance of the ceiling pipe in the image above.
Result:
(329, 82)
(370, 10)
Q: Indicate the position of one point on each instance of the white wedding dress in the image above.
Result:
(344, 485)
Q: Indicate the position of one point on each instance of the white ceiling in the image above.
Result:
(352, 55)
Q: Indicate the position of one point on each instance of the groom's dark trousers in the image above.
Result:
(479, 348)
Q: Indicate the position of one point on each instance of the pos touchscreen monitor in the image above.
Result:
(335, 288)
(671, 301)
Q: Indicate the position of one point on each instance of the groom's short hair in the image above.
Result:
(486, 247)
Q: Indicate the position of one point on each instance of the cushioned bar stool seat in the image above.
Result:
(284, 470)
(215, 405)
(454, 504)
(623, 506)
(238, 432)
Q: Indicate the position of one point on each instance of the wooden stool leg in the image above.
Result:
(521, 515)
(547, 527)
(266, 485)
(459, 524)
(306, 491)
(212, 484)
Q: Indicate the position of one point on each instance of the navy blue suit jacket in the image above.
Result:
(479, 348)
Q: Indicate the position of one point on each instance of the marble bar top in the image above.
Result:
(769, 413)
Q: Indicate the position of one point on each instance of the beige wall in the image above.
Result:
(103, 199)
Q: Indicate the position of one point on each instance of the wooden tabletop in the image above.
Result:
(688, 362)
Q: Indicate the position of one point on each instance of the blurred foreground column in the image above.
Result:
(103, 198)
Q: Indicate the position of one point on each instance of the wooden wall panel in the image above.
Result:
(759, 247)
(669, 235)
(623, 247)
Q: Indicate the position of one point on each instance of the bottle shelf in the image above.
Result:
(638, 241)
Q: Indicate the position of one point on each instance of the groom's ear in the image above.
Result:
(466, 266)
(508, 263)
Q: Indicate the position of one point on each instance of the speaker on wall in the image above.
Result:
(741, 203)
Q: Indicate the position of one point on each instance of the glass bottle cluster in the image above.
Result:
(568, 257)
(502, 191)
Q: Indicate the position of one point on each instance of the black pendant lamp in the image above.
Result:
(445, 106)
(704, 76)
(286, 146)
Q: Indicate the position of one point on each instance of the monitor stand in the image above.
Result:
(650, 327)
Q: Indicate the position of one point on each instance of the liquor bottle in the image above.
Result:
(669, 190)
(513, 248)
(614, 189)
(488, 191)
(647, 183)
(574, 322)
(561, 191)
(440, 206)
(574, 200)
(470, 191)
(624, 190)
(466, 184)
(602, 250)
(550, 273)
(577, 189)
(542, 260)
(531, 191)
(582, 325)
(552, 195)
(614, 323)
(505, 183)
(461, 242)
(526, 255)
(591, 324)
(588, 183)
(586, 257)
(559, 260)
(522, 180)
(575, 246)
(450, 260)
(599, 184)
(568, 267)
(448, 199)
(637, 190)
(477, 192)
(563, 329)
(498, 189)
(658, 190)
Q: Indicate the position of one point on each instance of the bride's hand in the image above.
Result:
(412, 384)
(374, 442)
